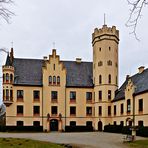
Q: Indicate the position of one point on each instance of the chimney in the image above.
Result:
(127, 76)
(141, 69)
(11, 55)
(78, 60)
(45, 58)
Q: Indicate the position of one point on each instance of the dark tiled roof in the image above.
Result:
(8, 62)
(79, 74)
(29, 72)
(140, 81)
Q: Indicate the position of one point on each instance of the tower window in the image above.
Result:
(54, 79)
(109, 63)
(3, 78)
(109, 95)
(7, 77)
(100, 79)
(109, 48)
(58, 79)
(109, 78)
(100, 63)
(100, 49)
(53, 66)
(11, 78)
(50, 79)
(100, 95)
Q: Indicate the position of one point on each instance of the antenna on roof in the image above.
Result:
(53, 45)
(12, 44)
(104, 19)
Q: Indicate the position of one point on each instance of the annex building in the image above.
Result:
(53, 93)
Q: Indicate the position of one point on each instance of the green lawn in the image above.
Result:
(138, 144)
(25, 143)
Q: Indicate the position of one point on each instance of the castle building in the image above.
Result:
(53, 93)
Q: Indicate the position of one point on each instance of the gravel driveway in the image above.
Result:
(84, 140)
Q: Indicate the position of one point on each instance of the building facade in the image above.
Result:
(53, 93)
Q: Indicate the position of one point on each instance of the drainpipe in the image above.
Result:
(65, 106)
(133, 128)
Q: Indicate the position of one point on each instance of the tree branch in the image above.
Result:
(135, 14)
(5, 13)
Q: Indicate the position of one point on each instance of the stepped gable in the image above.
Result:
(140, 81)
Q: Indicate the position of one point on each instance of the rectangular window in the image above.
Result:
(114, 109)
(54, 110)
(115, 123)
(7, 94)
(109, 110)
(72, 96)
(20, 110)
(128, 106)
(11, 95)
(20, 123)
(140, 105)
(140, 123)
(100, 95)
(72, 111)
(122, 109)
(109, 95)
(88, 111)
(36, 95)
(36, 110)
(122, 123)
(54, 96)
(72, 123)
(36, 123)
(88, 96)
(20, 94)
(100, 110)
(4, 95)
(89, 123)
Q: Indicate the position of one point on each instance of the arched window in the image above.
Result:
(109, 48)
(58, 79)
(50, 79)
(54, 79)
(109, 63)
(3, 78)
(100, 79)
(100, 63)
(128, 106)
(109, 78)
(7, 77)
(11, 78)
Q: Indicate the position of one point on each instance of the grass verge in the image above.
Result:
(138, 144)
(26, 143)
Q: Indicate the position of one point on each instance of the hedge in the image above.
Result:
(21, 128)
(78, 128)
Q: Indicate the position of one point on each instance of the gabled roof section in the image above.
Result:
(78, 74)
(140, 81)
(28, 71)
(8, 61)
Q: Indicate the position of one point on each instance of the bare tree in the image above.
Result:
(5, 13)
(135, 14)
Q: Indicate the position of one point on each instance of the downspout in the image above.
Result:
(42, 106)
(65, 106)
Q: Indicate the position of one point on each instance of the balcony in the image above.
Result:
(7, 101)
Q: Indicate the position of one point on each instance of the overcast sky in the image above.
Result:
(70, 24)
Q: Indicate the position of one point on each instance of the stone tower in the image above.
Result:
(105, 72)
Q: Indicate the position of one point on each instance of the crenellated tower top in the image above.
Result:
(105, 32)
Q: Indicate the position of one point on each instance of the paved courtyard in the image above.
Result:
(84, 140)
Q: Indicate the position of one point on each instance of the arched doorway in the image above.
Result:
(99, 126)
(54, 124)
